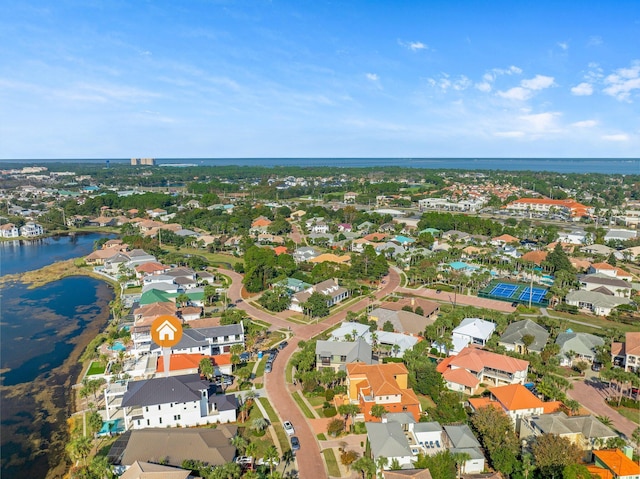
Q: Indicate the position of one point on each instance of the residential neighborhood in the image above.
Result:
(372, 332)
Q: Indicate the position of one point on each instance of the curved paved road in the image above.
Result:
(309, 459)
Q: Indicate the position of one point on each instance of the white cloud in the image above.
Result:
(539, 82)
(516, 93)
(541, 122)
(594, 41)
(509, 134)
(585, 124)
(617, 137)
(563, 45)
(583, 89)
(623, 82)
(413, 46)
(484, 86)
(372, 77)
(445, 82)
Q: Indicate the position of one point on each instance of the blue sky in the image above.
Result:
(312, 78)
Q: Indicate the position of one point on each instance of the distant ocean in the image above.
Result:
(559, 165)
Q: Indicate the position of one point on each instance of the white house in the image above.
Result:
(175, 401)
(330, 288)
(577, 346)
(9, 230)
(460, 439)
(473, 331)
(31, 229)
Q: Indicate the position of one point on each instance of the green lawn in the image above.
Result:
(425, 402)
(95, 368)
(332, 462)
(595, 321)
(288, 373)
(263, 442)
(283, 439)
(303, 406)
(316, 401)
(261, 366)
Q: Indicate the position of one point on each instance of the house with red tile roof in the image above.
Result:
(607, 269)
(516, 401)
(190, 363)
(384, 384)
(504, 239)
(260, 224)
(465, 371)
(619, 465)
(627, 354)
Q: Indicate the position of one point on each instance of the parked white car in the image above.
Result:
(288, 428)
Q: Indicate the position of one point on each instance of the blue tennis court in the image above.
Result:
(504, 290)
(536, 294)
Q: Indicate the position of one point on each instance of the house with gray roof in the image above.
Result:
(387, 439)
(348, 331)
(149, 470)
(175, 401)
(577, 347)
(174, 445)
(336, 354)
(596, 301)
(605, 284)
(587, 432)
(402, 321)
(460, 438)
(511, 339)
(208, 341)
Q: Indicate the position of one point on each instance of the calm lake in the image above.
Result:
(44, 331)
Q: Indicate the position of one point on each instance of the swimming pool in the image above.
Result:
(114, 426)
(118, 346)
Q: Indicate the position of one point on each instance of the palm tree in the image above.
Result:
(381, 463)
(239, 443)
(79, 448)
(606, 420)
(377, 411)
(270, 457)
(366, 466)
(460, 459)
(288, 457)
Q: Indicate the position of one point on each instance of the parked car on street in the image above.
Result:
(295, 443)
(288, 428)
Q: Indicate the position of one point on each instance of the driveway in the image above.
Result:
(591, 393)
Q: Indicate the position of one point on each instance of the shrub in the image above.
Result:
(329, 411)
(359, 428)
(329, 394)
(348, 457)
(335, 427)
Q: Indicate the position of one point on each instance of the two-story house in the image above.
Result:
(470, 331)
(577, 347)
(515, 401)
(175, 401)
(524, 337)
(9, 230)
(383, 384)
(31, 229)
(337, 354)
(627, 354)
(465, 371)
(330, 288)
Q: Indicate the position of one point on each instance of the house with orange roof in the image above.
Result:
(278, 250)
(617, 463)
(260, 224)
(151, 268)
(331, 258)
(190, 363)
(516, 401)
(504, 240)
(383, 384)
(627, 354)
(536, 257)
(612, 271)
(471, 366)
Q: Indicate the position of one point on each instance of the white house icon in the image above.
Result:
(166, 331)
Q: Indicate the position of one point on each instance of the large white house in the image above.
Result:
(31, 229)
(9, 230)
(330, 288)
(470, 331)
(171, 402)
